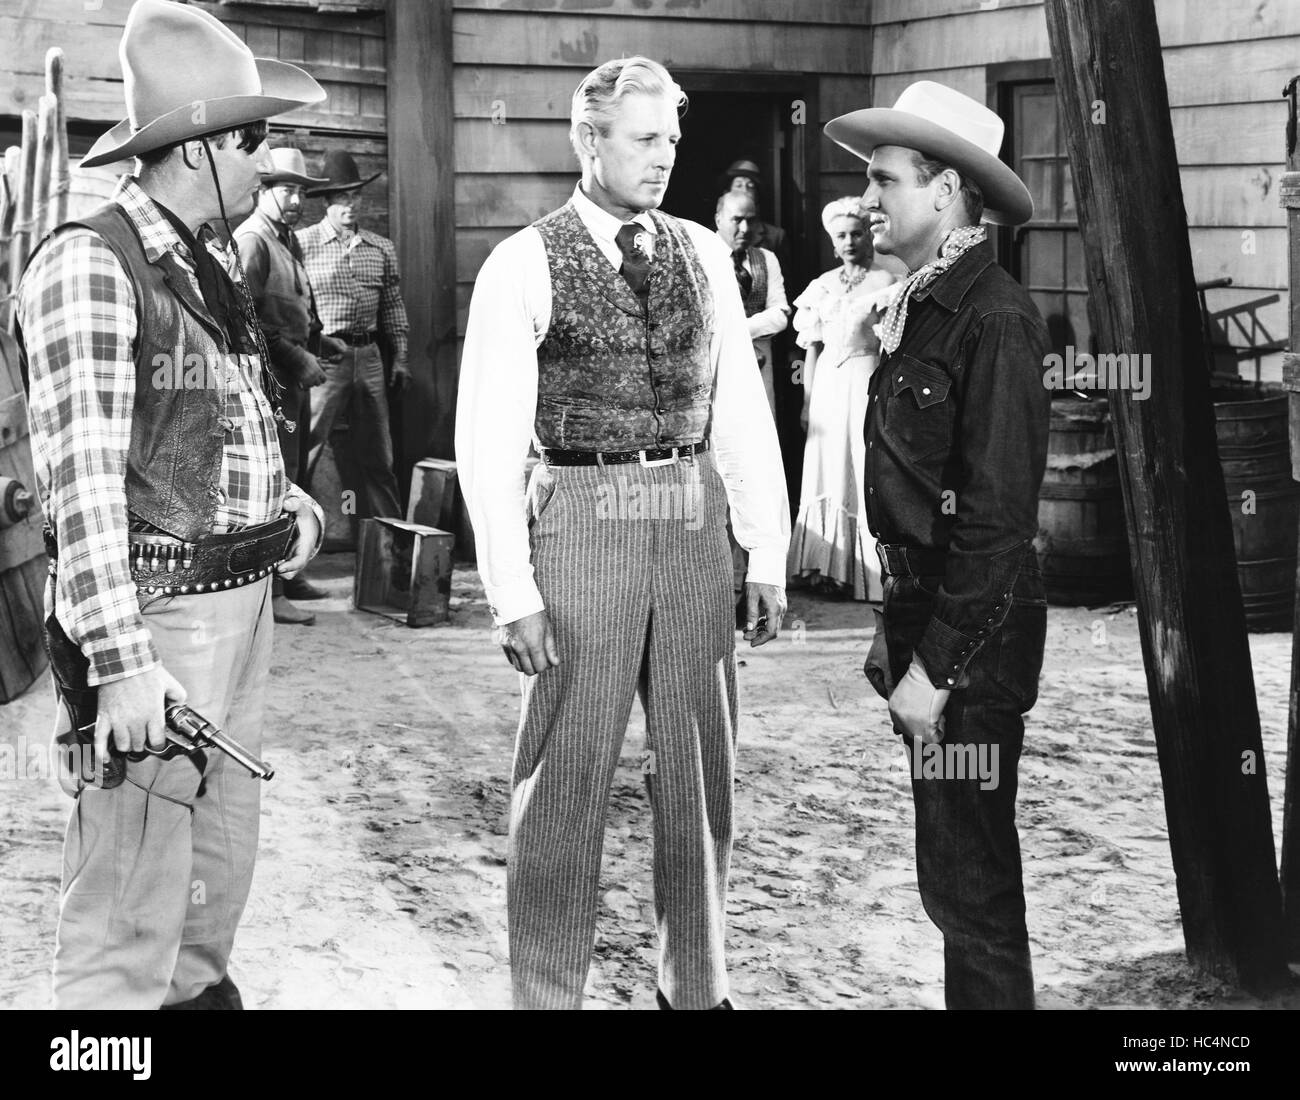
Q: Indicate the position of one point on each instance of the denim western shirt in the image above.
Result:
(956, 435)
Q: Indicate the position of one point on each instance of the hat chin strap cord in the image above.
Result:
(272, 387)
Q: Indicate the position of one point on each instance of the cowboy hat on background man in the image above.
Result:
(341, 174)
(288, 166)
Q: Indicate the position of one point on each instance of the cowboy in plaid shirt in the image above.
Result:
(354, 275)
(152, 433)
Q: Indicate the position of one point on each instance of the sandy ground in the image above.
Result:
(381, 878)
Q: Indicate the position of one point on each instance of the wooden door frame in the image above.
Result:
(802, 86)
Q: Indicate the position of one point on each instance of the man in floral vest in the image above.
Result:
(613, 338)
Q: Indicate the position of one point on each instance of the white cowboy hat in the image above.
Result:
(186, 74)
(943, 124)
(289, 167)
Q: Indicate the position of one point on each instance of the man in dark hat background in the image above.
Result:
(286, 308)
(354, 275)
(743, 178)
(154, 437)
(956, 437)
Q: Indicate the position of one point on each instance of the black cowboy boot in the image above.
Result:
(223, 995)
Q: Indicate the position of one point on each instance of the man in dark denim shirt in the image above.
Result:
(956, 438)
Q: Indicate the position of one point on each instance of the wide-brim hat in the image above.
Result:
(744, 168)
(187, 74)
(943, 124)
(341, 174)
(289, 167)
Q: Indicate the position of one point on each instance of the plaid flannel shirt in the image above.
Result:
(357, 285)
(77, 309)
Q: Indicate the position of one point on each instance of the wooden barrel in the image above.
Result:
(23, 567)
(1264, 504)
(1082, 544)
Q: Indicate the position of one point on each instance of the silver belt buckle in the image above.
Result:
(647, 462)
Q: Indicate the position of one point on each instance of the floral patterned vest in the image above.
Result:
(615, 374)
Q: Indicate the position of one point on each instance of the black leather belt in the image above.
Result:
(906, 561)
(165, 566)
(660, 456)
(356, 339)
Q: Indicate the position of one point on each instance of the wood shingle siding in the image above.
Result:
(1225, 66)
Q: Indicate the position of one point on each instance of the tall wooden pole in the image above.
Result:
(47, 120)
(20, 242)
(1290, 192)
(421, 180)
(1115, 107)
(60, 177)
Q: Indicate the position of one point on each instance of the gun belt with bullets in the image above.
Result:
(165, 566)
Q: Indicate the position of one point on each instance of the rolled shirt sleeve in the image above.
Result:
(76, 307)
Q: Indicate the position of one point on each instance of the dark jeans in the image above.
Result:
(967, 847)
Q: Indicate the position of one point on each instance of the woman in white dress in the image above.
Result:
(831, 545)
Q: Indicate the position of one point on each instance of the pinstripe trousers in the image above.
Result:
(635, 570)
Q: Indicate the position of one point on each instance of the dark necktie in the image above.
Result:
(636, 264)
(743, 277)
(290, 241)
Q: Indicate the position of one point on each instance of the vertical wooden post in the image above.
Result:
(60, 177)
(20, 244)
(422, 215)
(1290, 198)
(1115, 107)
(46, 123)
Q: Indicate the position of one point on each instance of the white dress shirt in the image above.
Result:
(509, 315)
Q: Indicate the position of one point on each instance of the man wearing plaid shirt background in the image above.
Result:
(355, 278)
(150, 426)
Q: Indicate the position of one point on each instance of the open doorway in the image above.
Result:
(762, 118)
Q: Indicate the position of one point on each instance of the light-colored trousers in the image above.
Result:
(156, 875)
(355, 384)
(634, 568)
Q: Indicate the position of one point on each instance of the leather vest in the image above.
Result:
(174, 461)
(614, 374)
(285, 306)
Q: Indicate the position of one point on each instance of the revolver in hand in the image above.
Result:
(190, 733)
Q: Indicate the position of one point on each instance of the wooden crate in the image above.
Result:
(437, 500)
(404, 571)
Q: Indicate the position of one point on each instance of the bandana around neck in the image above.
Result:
(955, 245)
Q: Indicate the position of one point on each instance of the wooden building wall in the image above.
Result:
(1225, 64)
(521, 60)
(344, 49)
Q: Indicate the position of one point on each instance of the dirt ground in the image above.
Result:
(381, 876)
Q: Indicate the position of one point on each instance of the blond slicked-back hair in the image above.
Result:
(602, 89)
